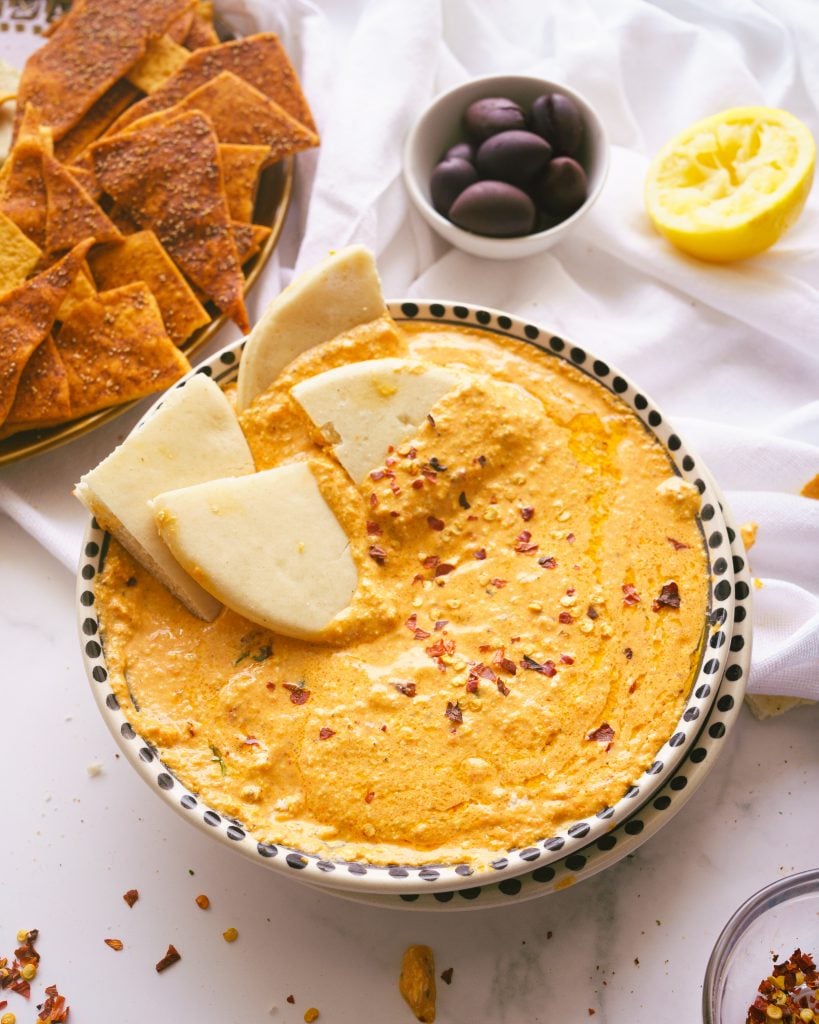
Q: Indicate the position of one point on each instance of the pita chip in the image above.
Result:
(162, 59)
(169, 179)
(201, 33)
(82, 288)
(72, 215)
(140, 257)
(241, 167)
(96, 120)
(18, 255)
(249, 239)
(42, 397)
(115, 349)
(96, 44)
(27, 315)
(259, 59)
(23, 198)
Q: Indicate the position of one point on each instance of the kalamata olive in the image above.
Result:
(513, 156)
(461, 150)
(448, 180)
(562, 188)
(557, 119)
(491, 115)
(494, 208)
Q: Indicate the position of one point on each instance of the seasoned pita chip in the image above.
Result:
(23, 198)
(239, 114)
(85, 177)
(95, 121)
(97, 42)
(72, 215)
(241, 167)
(163, 58)
(42, 397)
(249, 239)
(115, 349)
(259, 59)
(81, 289)
(140, 257)
(169, 179)
(180, 26)
(26, 317)
(18, 255)
(201, 33)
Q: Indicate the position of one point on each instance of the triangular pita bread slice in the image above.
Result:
(266, 545)
(162, 59)
(42, 397)
(169, 179)
(23, 191)
(26, 317)
(95, 121)
(116, 349)
(241, 167)
(72, 215)
(201, 33)
(18, 255)
(363, 408)
(336, 295)
(192, 437)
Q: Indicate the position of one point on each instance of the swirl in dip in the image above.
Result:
(531, 602)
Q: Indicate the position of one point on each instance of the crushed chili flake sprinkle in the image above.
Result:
(463, 501)
(669, 597)
(526, 513)
(115, 944)
(566, 659)
(523, 544)
(417, 484)
(565, 618)
(592, 612)
(503, 688)
(503, 663)
(291, 999)
(171, 957)
(546, 669)
(373, 529)
(434, 523)
(788, 994)
(472, 683)
(628, 653)
(602, 734)
(373, 500)
(408, 689)
(430, 561)
(547, 563)
(378, 474)
(53, 1010)
(377, 554)
(480, 554)
(441, 624)
(299, 694)
(368, 799)
(630, 595)
(325, 733)
(444, 569)
(131, 897)
(677, 545)
(453, 712)
(570, 538)
(250, 741)
(497, 582)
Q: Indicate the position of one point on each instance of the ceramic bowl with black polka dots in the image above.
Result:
(720, 645)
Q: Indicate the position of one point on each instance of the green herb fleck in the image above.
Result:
(242, 656)
(217, 757)
(263, 653)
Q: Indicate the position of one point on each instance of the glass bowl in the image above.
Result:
(771, 924)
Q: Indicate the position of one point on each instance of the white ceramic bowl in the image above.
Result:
(439, 127)
(729, 593)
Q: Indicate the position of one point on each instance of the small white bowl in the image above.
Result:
(439, 127)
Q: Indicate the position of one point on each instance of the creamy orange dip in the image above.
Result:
(531, 604)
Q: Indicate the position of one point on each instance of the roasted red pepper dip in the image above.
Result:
(521, 642)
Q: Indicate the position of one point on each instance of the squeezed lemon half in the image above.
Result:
(728, 186)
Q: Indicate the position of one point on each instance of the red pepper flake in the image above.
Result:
(669, 597)
(472, 683)
(171, 957)
(503, 663)
(411, 454)
(546, 669)
(115, 944)
(53, 1010)
(453, 712)
(628, 653)
(441, 624)
(373, 500)
(548, 563)
(368, 799)
(632, 687)
(480, 460)
(570, 538)
(677, 545)
(412, 625)
(378, 474)
(484, 671)
(565, 618)
(418, 578)
(417, 484)
(630, 595)
(566, 659)
(434, 523)
(430, 561)
(373, 529)
(444, 569)
(20, 986)
(440, 648)
(298, 693)
(523, 545)
(602, 734)
(480, 554)
(377, 554)
(250, 741)
(463, 501)
(592, 612)
(429, 475)
(503, 688)
(446, 976)
(396, 490)
(430, 420)
(291, 999)
(325, 733)
(408, 689)
(498, 583)
(132, 895)
(790, 987)
(270, 686)
(526, 513)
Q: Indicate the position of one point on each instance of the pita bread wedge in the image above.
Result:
(361, 409)
(140, 257)
(71, 213)
(27, 315)
(249, 239)
(169, 179)
(201, 33)
(82, 288)
(341, 292)
(239, 114)
(267, 545)
(23, 198)
(115, 349)
(193, 437)
(42, 397)
(259, 59)
(162, 59)
(241, 167)
(95, 121)
(97, 42)
(18, 255)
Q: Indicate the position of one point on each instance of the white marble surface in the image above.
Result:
(629, 943)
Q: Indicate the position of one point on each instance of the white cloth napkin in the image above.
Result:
(729, 353)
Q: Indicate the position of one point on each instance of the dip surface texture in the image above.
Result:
(531, 604)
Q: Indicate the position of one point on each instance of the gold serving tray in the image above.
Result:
(272, 203)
